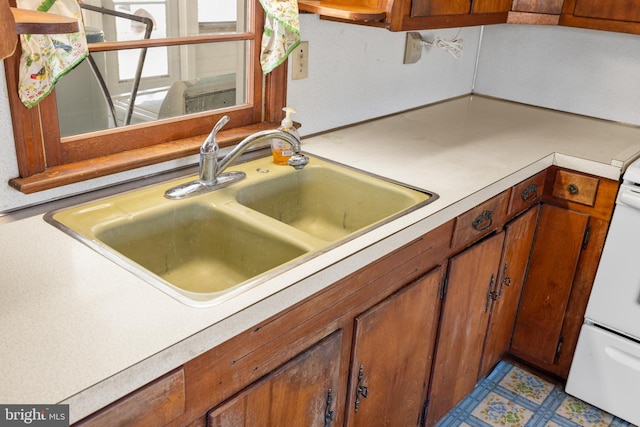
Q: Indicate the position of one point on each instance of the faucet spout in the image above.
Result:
(298, 160)
(212, 176)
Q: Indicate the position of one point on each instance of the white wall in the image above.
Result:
(595, 73)
(357, 73)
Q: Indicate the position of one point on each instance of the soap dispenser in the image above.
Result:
(280, 149)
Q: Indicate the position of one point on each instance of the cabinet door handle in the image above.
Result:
(328, 413)
(573, 189)
(361, 391)
(530, 193)
(483, 221)
(491, 295)
(506, 280)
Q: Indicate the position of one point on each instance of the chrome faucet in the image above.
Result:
(212, 175)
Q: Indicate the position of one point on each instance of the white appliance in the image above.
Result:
(605, 371)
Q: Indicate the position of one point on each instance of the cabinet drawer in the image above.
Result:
(157, 403)
(527, 193)
(481, 220)
(575, 187)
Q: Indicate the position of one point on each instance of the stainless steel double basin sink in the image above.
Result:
(205, 249)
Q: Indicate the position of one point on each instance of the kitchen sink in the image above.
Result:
(205, 249)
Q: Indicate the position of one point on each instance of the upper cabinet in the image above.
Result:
(612, 15)
(412, 15)
(403, 15)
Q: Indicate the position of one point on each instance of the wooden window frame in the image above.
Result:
(45, 160)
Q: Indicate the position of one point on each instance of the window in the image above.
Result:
(146, 124)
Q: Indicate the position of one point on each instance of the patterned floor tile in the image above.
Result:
(583, 413)
(527, 385)
(496, 410)
(512, 397)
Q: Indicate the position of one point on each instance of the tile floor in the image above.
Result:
(511, 397)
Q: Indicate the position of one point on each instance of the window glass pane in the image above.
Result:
(175, 81)
(217, 11)
(128, 27)
(122, 20)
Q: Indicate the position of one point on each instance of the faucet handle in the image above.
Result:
(210, 145)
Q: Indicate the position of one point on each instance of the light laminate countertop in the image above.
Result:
(78, 329)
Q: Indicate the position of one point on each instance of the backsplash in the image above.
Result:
(588, 72)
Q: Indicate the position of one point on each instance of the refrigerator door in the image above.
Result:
(606, 372)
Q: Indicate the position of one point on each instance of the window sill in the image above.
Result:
(72, 173)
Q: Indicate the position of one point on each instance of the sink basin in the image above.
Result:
(197, 248)
(206, 249)
(327, 203)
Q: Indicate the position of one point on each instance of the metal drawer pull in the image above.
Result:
(530, 193)
(483, 221)
(573, 189)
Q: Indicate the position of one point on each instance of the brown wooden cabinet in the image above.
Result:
(508, 288)
(611, 15)
(390, 369)
(484, 284)
(555, 257)
(412, 15)
(402, 15)
(406, 15)
(302, 390)
(392, 356)
(465, 315)
(569, 239)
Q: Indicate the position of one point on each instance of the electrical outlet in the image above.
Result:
(300, 61)
(413, 48)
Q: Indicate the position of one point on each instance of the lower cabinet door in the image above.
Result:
(537, 336)
(300, 393)
(508, 289)
(392, 356)
(465, 315)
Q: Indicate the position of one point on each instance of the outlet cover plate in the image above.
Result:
(300, 61)
(413, 48)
